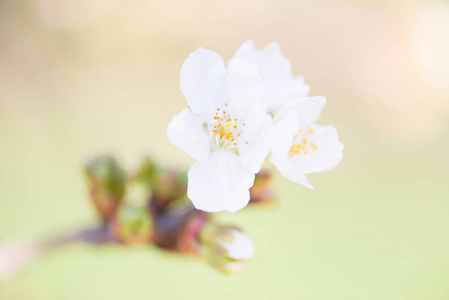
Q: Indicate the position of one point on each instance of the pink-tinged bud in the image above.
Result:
(106, 180)
(132, 225)
(226, 248)
(263, 178)
(177, 227)
(261, 192)
(188, 242)
(262, 196)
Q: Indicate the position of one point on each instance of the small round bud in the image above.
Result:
(106, 180)
(239, 247)
(226, 247)
(132, 225)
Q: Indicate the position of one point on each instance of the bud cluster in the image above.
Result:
(150, 206)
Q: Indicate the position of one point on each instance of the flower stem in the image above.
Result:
(16, 255)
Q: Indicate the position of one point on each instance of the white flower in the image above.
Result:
(228, 124)
(298, 146)
(226, 129)
(301, 147)
(269, 70)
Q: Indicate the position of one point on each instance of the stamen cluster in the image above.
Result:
(224, 130)
(300, 146)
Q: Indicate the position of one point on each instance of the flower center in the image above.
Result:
(300, 145)
(226, 131)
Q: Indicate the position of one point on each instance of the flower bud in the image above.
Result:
(106, 180)
(263, 178)
(261, 192)
(167, 185)
(188, 242)
(147, 172)
(262, 196)
(226, 247)
(132, 225)
(171, 185)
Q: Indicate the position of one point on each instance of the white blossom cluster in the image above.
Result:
(243, 113)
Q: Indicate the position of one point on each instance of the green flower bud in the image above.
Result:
(106, 180)
(166, 185)
(171, 185)
(147, 172)
(226, 248)
(132, 225)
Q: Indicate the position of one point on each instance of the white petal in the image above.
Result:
(186, 131)
(250, 107)
(301, 88)
(203, 80)
(236, 82)
(308, 109)
(241, 248)
(291, 172)
(283, 131)
(220, 183)
(281, 91)
(267, 70)
(266, 63)
(256, 151)
(244, 60)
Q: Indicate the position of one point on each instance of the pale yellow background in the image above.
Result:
(86, 76)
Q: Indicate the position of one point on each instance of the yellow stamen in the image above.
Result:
(310, 129)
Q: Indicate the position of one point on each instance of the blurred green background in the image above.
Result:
(88, 76)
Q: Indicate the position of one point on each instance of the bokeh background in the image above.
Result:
(87, 76)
